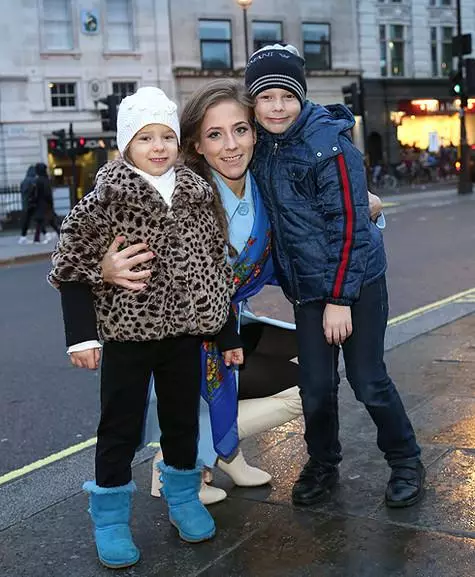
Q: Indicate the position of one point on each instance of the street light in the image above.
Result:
(245, 4)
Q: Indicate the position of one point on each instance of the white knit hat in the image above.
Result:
(149, 105)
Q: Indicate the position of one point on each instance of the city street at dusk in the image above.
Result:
(237, 288)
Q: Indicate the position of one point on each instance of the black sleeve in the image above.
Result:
(228, 337)
(79, 314)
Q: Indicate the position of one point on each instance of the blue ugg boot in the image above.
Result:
(110, 511)
(185, 510)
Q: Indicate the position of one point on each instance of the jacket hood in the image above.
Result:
(31, 172)
(313, 119)
(41, 169)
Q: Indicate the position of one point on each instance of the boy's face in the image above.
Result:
(277, 109)
(154, 149)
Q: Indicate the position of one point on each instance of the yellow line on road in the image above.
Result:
(433, 306)
(390, 204)
(47, 461)
(461, 297)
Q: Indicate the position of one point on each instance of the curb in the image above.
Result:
(26, 258)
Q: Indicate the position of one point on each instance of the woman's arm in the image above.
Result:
(117, 265)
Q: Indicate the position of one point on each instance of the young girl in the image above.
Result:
(158, 330)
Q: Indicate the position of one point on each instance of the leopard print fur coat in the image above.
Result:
(190, 288)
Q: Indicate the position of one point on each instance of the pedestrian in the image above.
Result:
(44, 213)
(330, 262)
(218, 138)
(29, 203)
(146, 195)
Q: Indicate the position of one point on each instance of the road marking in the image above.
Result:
(454, 299)
(467, 296)
(47, 461)
(390, 204)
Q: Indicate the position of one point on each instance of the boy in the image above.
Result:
(330, 262)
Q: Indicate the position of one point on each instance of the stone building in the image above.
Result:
(59, 57)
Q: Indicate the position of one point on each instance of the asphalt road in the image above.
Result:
(46, 405)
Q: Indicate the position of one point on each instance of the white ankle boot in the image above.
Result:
(256, 416)
(242, 473)
(208, 494)
(259, 415)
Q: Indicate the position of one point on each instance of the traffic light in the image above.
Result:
(81, 146)
(351, 97)
(58, 145)
(456, 84)
(109, 114)
(470, 76)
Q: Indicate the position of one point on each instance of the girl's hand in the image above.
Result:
(233, 357)
(117, 265)
(88, 359)
(375, 205)
(337, 324)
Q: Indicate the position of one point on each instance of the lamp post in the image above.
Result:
(245, 4)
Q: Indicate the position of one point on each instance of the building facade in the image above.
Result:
(406, 58)
(60, 57)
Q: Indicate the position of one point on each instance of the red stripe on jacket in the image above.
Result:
(349, 225)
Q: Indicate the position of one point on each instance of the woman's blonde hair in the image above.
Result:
(212, 94)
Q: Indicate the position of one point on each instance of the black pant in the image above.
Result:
(40, 226)
(126, 371)
(366, 372)
(29, 214)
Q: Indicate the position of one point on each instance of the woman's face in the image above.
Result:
(227, 140)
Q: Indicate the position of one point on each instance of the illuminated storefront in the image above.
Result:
(431, 123)
(91, 152)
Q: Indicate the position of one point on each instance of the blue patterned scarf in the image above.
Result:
(252, 270)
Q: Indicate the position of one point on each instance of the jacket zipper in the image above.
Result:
(292, 271)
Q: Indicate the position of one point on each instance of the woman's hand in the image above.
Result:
(337, 324)
(88, 359)
(375, 205)
(233, 357)
(117, 264)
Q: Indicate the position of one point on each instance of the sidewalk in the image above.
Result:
(11, 252)
(45, 530)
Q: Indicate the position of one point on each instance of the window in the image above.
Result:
(57, 25)
(264, 33)
(123, 89)
(215, 42)
(391, 50)
(119, 28)
(316, 46)
(441, 50)
(440, 3)
(63, 94)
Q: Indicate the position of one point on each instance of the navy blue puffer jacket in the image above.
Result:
(313, 183)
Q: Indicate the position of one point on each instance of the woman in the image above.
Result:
(218, 140)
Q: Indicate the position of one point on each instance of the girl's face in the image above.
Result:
(154, 149)
(277, 109)
(227, 141)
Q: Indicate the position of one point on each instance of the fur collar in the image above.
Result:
(115, 181)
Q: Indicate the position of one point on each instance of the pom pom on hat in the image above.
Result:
(149, 105)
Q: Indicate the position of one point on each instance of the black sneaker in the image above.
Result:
(314, 482)
(405, 486)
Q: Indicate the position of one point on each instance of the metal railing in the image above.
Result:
(11, 206)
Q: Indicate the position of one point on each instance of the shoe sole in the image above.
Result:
(207, 537)
(120, 565)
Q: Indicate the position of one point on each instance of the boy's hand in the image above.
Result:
(337, 324)
(233, 357)
(375, 205)
(88, 359)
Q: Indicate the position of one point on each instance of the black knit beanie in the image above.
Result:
(276, 67)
